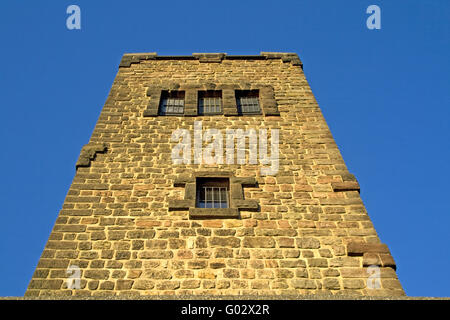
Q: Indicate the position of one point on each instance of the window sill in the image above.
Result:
(256, 113)
(202, 213)
(211, 114)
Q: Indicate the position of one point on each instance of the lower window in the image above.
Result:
(212, 193)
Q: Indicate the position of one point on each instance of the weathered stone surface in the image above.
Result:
(371, 259)
(53, 263)
(183, 180)
(364, 273)
(236, 192)
(345, 186)
(124, 284)
(129, 220)
(157, 274)
(308, 243)
(332, 284)
(200, 213)
(209, 57)
(97, 274)
(107, 285)
(259, 242)
(359, 248)
(88, 153)
(353, 284)
(318, 263)
(285, 57)
(168, 285)
(224, 242)
(388, 261)
(181, 204)
(245, 181)
(155, 254)
(303, 284)
(144, 284)
(46, 284)
(249, 204)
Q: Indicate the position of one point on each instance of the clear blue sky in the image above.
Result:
(385, 95)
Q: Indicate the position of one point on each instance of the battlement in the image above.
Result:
(287, 57)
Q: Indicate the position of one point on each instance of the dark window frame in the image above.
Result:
(248, 96)
(204, 95)
(177, 96)
(212, 193)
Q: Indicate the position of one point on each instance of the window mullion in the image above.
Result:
(226, 197)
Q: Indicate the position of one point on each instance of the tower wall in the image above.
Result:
(126, 222)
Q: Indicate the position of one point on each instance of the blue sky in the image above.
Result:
(384, 93)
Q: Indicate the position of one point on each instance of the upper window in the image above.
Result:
(172, 102)
(209, 102)
(212, 193)
(248, 101)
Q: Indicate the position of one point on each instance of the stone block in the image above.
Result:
(359, 248)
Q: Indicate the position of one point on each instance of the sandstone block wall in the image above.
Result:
(309, 233)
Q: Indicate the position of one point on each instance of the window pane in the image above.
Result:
(216, 195)
(224, 196)
(201, 198)
(208, 193)
(212, 193)
(248, 101)
(210, 105)
(172, 102)
(210, 102)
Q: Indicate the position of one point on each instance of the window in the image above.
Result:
(172, 102)
(209, 102)
(248, 101)
(212, 193)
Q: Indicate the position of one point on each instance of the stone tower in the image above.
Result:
(213, 174)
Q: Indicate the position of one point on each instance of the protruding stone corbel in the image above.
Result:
(285, 57)
(209, 57)
(377, 254)
(345, 186)
(88, 153)
(128, 59)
